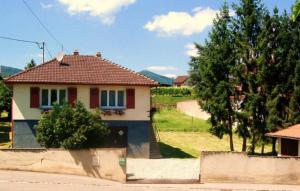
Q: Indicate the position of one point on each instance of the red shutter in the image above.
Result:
(72, 96)
(94, 98)
(34, 97)
(130, 98)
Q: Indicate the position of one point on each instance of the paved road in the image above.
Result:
(30, 181)
(193, 109)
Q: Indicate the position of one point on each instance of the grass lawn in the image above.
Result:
(182, 136)
(169, 101)
(189, 144)
(173, 120)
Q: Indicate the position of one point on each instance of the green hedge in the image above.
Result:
(172, 91)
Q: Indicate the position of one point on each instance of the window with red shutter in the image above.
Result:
(130, 98)
(34, 97)
(72, 96)
(94, 98)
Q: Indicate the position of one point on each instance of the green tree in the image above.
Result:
(296, 10)
(5, 98)
(30, 64)
(71, 128)
(210, 74)
(247, 28)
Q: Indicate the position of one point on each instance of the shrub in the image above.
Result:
(71, 128)
(172, 91)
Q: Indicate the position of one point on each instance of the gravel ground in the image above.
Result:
(193, 109)
(163, 168)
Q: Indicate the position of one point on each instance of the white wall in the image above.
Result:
(22, 110)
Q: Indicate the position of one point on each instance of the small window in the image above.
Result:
(62, 96)
(120, 98)
(45, 97)
(53, 96)
(112, 98)
(104, 98)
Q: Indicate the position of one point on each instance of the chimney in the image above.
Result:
(98, 54)
(76, 52)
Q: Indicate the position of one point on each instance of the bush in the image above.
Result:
(172, 91)
(71, 128)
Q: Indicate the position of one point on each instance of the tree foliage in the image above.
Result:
(70, 128)
(5, 97)
(30, 64)
(211, 76)
(250, 70)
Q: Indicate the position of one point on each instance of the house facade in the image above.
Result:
(121, 94)
(288, 141)
(181, 81)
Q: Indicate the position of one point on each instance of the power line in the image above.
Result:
(48, 51)
(41, 23)
(41, 45)
(21, 40)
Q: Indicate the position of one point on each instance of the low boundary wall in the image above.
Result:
(106, 163)
(240, 168)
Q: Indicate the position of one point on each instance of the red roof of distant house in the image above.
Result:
(180, 79)
(292, 132)
(81, 69)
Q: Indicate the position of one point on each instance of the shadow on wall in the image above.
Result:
(168, 151)
(95, 162)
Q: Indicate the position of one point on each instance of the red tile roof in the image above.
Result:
(292, 132)
(180, 79)
(81, 69)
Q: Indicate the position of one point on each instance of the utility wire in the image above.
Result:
(48, 51)
(21, 40)
(41, 23)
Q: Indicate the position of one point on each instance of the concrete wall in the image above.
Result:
(100, 163)
(22, 110)
(240, 168)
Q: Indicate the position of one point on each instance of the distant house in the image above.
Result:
(162, 80)
(122, 95)
(181, 81)
(6, 71)
(288, 140)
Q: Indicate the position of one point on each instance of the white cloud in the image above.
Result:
(170, 75)
(191, 51)
(46, 6)
(104, 9)
(161, 68)
(182, 23)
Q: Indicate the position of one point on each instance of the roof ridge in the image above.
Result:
(129, 70)
(29, 69)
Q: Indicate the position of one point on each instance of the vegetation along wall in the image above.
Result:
(101, 163)
(241, 168)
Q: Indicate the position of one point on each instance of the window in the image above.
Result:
(52, 96)
(112, 99)
(44, 97)
(62, 96)
(103, 98)
(120, 98)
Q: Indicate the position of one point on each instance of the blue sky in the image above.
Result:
(138, 34)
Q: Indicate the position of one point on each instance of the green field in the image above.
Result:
(182, 136)
(173, 120)
(169, 101)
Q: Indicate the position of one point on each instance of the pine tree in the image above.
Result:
(211, 75)
(30, 64)
(247, 27)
